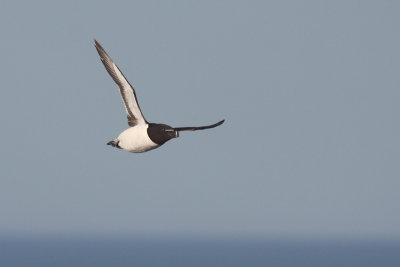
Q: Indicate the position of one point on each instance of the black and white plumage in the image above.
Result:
(142, 136)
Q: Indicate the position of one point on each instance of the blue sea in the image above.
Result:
(83, 252)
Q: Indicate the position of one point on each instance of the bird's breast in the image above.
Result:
(136, 139)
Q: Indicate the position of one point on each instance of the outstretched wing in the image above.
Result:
(128, 95)
(199, 127)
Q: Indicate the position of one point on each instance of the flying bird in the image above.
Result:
(142, 136)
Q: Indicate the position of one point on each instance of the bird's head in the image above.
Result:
(171, 132)
(161, 133)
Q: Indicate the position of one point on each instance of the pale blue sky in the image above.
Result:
(310, 92)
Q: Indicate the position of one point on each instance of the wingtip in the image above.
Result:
(100, 49)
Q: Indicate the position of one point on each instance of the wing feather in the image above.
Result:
(135, 115)
(199, 127)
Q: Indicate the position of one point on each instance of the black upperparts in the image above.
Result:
(161, 133)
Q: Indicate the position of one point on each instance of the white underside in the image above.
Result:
(135, 139)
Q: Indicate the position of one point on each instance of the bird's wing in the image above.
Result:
(135, 115)
(199, 127)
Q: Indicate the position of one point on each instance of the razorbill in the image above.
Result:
(142, 136)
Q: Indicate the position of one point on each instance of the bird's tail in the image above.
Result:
(114, 143)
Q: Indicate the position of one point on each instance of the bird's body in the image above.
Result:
(142, 136)
(136, 139)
